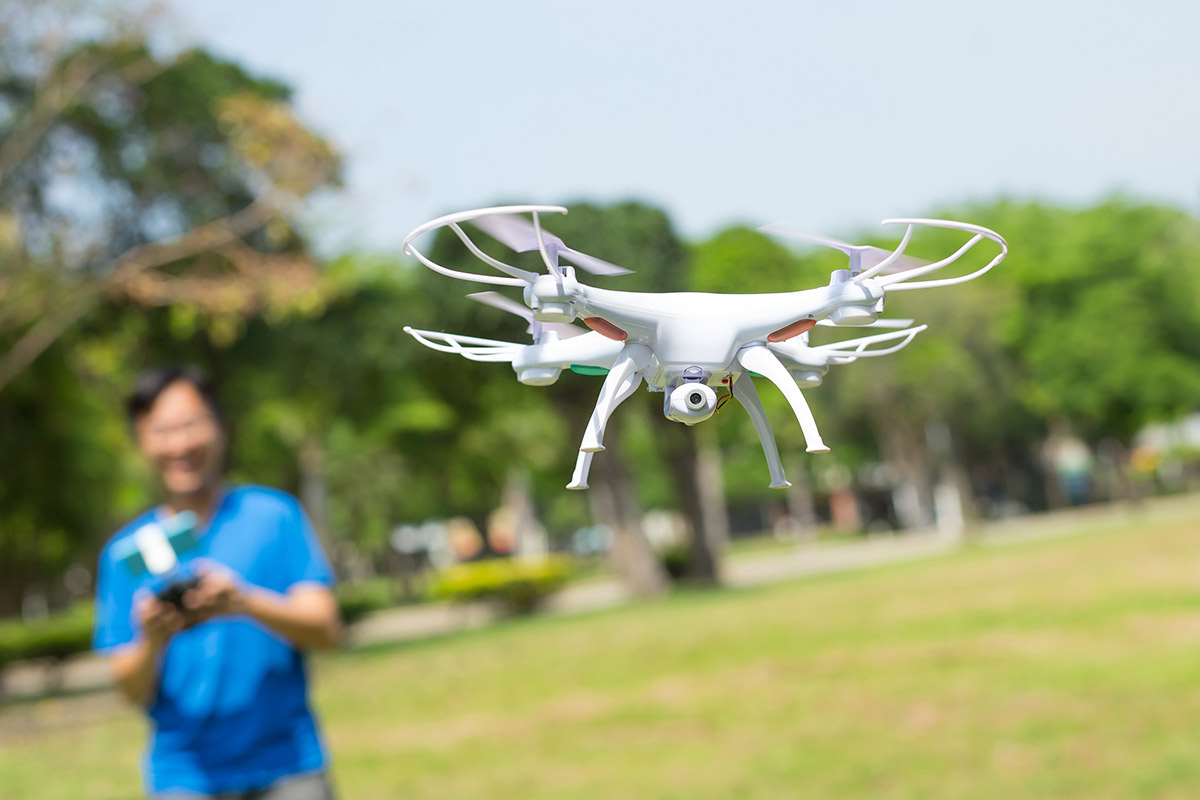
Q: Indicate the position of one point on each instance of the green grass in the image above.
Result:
(1063, 669)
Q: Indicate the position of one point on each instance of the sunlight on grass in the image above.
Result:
(1061, 669)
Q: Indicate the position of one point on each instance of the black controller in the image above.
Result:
(174, 591)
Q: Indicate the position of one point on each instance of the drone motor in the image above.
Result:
(539, 376)
(852, 315)
(808, 378)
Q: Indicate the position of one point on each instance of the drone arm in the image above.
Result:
(633, 359)
(879, 323)
(522, 275)
(900, 280)
(758, 358)
(463, 276)
(475, 349)
(519, 277)
(747, 395)
(541, 246)
(860, 346)
(887, 262)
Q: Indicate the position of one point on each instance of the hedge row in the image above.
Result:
(56, 636)
(520, 584)
(70, 632)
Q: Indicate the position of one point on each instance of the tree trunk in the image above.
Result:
(614, 504)
(801, 508)
(714, 511)
(695, 463)
(314, 491)
(13, 579)
(529, 537)
(904, 451)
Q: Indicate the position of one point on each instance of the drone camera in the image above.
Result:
(691, 402)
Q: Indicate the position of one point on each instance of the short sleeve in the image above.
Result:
(113, 625)
(305, 560)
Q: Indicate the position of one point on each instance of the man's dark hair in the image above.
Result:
(151, 383)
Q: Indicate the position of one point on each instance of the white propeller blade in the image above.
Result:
(565, 330)
(504, 303)
(862, 256)
(521, 236)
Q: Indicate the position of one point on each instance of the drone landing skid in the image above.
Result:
(632, 360)
(757, 358)
(747, 395)
(583, 464)
(579, 478)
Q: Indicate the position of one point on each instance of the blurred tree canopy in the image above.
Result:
(144, 196)
(148, 212)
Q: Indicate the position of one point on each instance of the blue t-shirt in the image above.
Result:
(231, 712)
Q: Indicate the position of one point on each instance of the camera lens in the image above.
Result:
(696, 399)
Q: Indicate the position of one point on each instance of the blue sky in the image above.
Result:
(829, 115)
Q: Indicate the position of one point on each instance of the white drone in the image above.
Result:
(695, 347)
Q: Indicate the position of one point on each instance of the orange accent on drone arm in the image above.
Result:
(606, 329)
(790, 331)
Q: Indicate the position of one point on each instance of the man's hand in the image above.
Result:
(159, 621)
(135, 667)
(307, 613)
(219, 593)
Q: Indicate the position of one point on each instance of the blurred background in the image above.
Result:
(229, 183)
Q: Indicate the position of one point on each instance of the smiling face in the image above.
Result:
(182, 438)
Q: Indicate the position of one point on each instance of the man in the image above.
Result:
(221, 675)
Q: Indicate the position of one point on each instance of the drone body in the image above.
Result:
(697, 348)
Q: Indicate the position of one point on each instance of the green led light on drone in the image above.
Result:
(584, 369)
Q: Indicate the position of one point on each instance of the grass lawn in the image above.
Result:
(1060, 669)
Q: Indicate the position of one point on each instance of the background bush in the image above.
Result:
(519, 584)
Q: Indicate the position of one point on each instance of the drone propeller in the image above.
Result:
(862, 256)
(565, 330)
(522, 237)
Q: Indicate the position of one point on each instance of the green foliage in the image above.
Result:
(741, 260)
(518, 584)
(67, 468)
(56, 637)
(109, 144)
(1094, 319)
(357, 600)
(1107, 318)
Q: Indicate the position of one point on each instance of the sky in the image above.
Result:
(832, 116)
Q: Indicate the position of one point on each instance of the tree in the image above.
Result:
(125, 174)
(1092, 319)
(129, 179)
